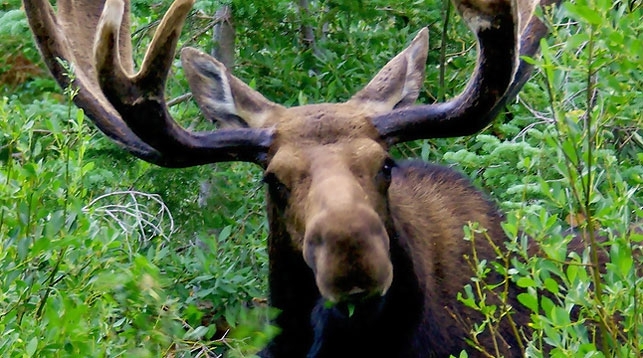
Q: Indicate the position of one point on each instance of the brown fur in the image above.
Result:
(420, 316)
(432, 216)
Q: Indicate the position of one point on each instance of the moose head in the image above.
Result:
(348, 224)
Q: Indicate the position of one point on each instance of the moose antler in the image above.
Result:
(130, 107)
(498, 75)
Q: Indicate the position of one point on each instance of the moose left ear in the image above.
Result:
(398, 83)
(222, 97)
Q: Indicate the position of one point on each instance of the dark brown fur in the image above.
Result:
(419, 317)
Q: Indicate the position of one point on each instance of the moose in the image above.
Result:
(366, 252)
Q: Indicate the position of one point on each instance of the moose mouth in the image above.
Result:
(360, 310)
(335, 324)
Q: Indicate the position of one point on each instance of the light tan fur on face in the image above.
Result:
(335, 213)
(345, 241)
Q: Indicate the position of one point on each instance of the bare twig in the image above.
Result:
(135, 211)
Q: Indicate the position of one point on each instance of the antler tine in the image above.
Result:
(130, 108)
(498, 77)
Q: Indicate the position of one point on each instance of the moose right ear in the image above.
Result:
(398, 83)
(222, 97)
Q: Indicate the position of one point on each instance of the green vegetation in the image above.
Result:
(105, 255)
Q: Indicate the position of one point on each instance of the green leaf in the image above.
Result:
(528, 300)
(55, 224)
(329, 304)
(584, 13)
(80, 116)
(32, 346)
(636, 237)
(526, 282)
(621, 257)
(551, 285)
(469, 300)
(225, 233)
(559, 316)
(196, 333)
(351, 309)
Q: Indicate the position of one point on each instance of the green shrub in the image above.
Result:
(572, 180)
(104, 255)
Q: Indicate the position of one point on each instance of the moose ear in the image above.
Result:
(398, 83)
(222, 97)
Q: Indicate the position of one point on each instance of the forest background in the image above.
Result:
(105, 255)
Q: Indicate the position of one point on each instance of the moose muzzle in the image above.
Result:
(345, 243)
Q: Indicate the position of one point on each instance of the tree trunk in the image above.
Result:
(223, 36)
(307, 32)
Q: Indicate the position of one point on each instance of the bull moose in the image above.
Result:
(366, 253)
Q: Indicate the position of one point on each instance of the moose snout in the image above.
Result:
(348, 251)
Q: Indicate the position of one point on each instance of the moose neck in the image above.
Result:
(292, 290)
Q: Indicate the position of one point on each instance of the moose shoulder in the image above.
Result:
(366, 254)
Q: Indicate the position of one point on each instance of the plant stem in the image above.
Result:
(9, 173)
(443, 48)
(593, 247)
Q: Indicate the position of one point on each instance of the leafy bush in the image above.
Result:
(571, 183)
(104, 255)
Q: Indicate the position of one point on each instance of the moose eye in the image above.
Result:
(278, 191)
(384, 175)
(387, 168)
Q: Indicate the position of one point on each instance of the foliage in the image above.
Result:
(577, 176)
(104, 255)
(19, 58)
